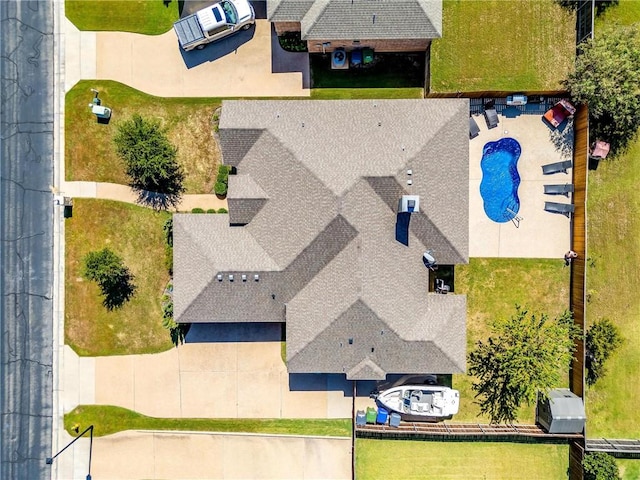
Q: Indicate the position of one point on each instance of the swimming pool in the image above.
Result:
(500, 179)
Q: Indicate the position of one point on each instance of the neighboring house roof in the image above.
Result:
(318, 185)
(360, 19)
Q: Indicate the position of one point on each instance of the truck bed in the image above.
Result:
(188, 30)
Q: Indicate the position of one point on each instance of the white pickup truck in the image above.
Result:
(213, 23)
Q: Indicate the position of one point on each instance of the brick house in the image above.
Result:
(383, 25)
(312, 235)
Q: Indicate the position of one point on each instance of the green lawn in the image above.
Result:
(625, 12)
(151, 17)
(376, 459)
(629, 469)
(108, 419)
(613, 282)
(497, 45)
(89, 150)
(365, 93)
(135, 233)
(493, 287)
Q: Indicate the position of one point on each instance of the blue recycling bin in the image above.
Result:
(383, 416)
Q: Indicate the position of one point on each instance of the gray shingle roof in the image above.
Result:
(328, 176)
(361, 19)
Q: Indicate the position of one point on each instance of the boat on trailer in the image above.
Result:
(424, 403)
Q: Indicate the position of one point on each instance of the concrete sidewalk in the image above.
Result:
(124, 193)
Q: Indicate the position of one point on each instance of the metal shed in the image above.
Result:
(561, 412)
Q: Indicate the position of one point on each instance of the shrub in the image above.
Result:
(197, 210)
(222, 210)
(600, 466)
(168, 231)
(168, 259)
(603, 338)
(292, 42)
(220, 189)
(211, 210)
(177, 331)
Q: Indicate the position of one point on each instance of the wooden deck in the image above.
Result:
(619, 448)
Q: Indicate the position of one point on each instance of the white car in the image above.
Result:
(214, 23)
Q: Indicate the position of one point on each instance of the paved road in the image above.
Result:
(26, 237)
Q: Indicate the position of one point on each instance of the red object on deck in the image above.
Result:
(559, 112)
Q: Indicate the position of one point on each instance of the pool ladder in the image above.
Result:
(516, 218)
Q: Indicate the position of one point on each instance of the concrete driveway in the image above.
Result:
(225, 378)
(248, 64)
(203, 455)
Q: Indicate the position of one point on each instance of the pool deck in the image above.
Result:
(539, 234)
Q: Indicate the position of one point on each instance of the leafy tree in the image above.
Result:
(607, 78)
(114, 279)
(600, 466)
(524, 355)
(602, 340)
(150, 161)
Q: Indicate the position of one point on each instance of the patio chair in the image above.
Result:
(556, 167)
(600, 149)
(491, 116)
(565, 209)
(565, 189)
(474, 130)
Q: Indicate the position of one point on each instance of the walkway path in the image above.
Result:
(123, 193)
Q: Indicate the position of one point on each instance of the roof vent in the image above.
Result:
(409, 172)
(256, 277)
(351, 341)
(409, 203)
(244, 277)
(219, 277)
(231, 277)
(409, 182)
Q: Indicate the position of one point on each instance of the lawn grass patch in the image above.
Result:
(108, 419)
(613, 278)
(625, 12)
(407, 459)
(89, 149)
(629, 469)
(365, 93)
(493, 287)
(138, 16)
(135, 234)
(498, 45)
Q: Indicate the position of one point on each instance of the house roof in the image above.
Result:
(360, 19)
(318, 185)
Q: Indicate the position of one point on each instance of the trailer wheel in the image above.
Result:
(247, 26)
(200, 47)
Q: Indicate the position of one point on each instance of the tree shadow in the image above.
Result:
(119, 291)
(562, 138)
(158, 201)
(601, 5)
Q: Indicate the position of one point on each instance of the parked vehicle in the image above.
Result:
(421, 402)
(214, 23)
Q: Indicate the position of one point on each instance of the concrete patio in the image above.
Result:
(540, 234)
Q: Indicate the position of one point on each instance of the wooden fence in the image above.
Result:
(577, 285)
